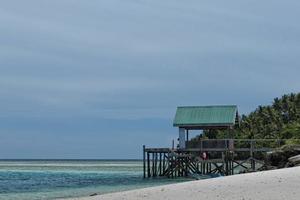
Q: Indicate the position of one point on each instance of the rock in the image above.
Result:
(280, 158)
(267, 167)
(94, 194)
(295, 159)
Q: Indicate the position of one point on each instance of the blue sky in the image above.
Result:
(97, 79)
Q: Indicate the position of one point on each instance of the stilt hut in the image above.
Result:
(221, 154)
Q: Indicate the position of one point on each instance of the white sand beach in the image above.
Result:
(282, 184)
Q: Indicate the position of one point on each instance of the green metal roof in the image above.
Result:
(205, 116)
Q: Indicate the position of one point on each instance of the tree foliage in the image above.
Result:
(281, 120)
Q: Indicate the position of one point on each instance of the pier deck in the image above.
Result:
(224, 157)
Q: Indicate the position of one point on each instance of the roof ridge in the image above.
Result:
(207, 106)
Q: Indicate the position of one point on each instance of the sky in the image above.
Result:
(98, 79)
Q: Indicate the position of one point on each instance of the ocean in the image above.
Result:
(52, 179)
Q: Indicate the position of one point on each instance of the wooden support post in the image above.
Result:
(207, 170)
(148, 164)
(156, 164)
(223, 165)
(164, 163)
(232, 164)
(153, 164)
(178, 167)
(226, 163)
(252, 155)
(187, 137)
(144, 161)
(160, 164)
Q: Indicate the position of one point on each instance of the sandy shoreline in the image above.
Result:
(282, 184)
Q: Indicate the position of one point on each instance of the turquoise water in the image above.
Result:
(51, 179)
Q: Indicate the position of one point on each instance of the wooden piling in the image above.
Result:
(148, 164)
(160, 164)
(144, 161)
(153, 164)
(164, 163)
(252, 155)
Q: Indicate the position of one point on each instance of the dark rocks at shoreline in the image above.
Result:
(294, 161)
(287, 156)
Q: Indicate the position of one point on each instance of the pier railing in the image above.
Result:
(237, 144)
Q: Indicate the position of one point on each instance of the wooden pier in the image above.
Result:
(207, 156)
(223, 157)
